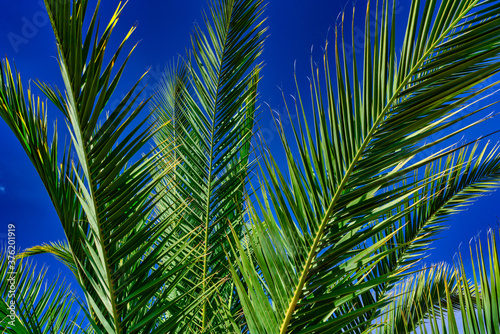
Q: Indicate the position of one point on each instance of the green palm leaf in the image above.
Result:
(60, 250)
(126, 286)
(26, 116)
(313, 241)
(418, 298)
(117, 241)
(468, 178)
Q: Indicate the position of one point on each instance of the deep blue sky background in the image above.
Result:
(163, 31)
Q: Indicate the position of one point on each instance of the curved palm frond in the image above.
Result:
(26, 115)
(446, 300)
(480, 304)
(127, 256)
(468, 177)
(60, 250)
(419, 298)
(314, 232)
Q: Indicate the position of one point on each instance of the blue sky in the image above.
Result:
(163, 31)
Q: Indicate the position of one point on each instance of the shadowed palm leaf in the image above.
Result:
(210, 102)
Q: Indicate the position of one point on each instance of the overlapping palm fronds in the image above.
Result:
(177, 239)
(210, 101)
(418, 297)
(480, 306)
(468, 179)
(26, 115)
(349, 219)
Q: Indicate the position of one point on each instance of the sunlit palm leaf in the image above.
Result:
(26, 115)
(418, 297)
(355, 176)
(127, 287)
(120, 242)
(60, 250)
(468, 177)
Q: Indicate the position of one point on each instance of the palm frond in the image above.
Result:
(210, 100)
(29, 305)
(468, 177)
(435, 300)
(26, 115)
(313, 229)
(480, 305)
(116, 238)
(60, 250)
(419, 298)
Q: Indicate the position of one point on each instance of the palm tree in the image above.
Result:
(178, 239)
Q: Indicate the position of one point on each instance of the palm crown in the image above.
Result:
(178, 238)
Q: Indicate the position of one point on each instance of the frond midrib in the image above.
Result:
(208, 203)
